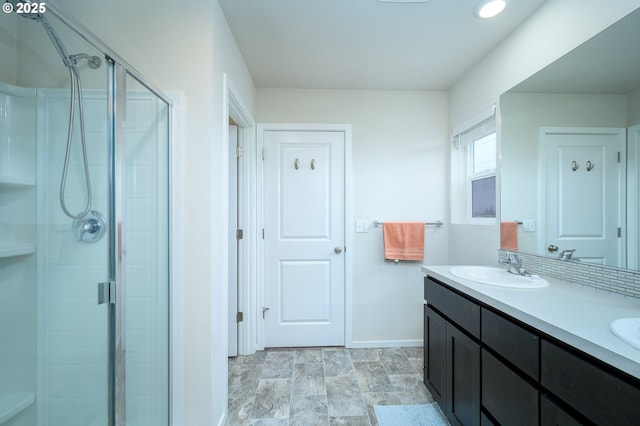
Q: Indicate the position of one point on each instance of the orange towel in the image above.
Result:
(403, 240)
(509, 235)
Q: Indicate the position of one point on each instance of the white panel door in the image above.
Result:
(304, 238)
(583, 183)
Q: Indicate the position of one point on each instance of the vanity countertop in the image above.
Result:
(576, 315)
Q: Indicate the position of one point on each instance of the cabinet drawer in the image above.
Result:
(593, 391)
(508, 397)
(513, 342)
(457, 308)
(552, 415)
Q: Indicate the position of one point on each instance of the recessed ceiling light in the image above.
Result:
(486, 9)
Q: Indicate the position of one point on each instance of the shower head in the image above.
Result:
(94, 62)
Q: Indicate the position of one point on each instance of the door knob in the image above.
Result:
(552, 248)
(338, 249)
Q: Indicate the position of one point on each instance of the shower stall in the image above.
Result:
(84, 229)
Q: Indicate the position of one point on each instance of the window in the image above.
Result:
(482, 177)
(474, 170)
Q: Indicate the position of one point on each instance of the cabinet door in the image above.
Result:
(435, 354)
(463, 379)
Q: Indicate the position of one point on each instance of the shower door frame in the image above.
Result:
(118, 71)
(117, 324)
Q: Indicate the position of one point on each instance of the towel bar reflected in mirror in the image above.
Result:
(437, 223)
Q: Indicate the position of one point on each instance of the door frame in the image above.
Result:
(348, 219)
(542, 205)
(235, 109)
(234, 243)
(633, 196)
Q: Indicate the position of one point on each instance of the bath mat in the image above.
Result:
(410, 415)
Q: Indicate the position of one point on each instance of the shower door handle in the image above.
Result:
(107, 292)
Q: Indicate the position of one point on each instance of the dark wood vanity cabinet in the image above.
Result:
(452, 358)
(485, 367)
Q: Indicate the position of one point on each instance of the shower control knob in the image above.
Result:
(90, 228)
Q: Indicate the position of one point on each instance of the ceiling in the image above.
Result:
(365, 44)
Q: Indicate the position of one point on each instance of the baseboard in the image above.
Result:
(385, 344)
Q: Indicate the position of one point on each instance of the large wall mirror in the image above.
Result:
(570, 152)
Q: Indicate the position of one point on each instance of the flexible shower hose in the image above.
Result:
(76, 88)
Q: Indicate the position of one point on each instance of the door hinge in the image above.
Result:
(263, 153)
(619, 156)
(239, 317)
(107, 292)
(619, 232)
(263, 233)
(239, 234)
(239, 151)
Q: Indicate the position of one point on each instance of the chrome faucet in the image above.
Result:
(515, 264)
(567, 254)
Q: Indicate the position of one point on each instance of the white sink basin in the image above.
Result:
(627, 329)
(497, 277)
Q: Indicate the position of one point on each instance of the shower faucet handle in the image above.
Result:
(90, 228)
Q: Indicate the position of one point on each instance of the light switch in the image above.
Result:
(362, 225)
(529, 225)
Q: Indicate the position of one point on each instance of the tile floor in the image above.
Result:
(323, 386)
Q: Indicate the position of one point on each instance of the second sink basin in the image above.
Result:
(497, 277)
(627, 329)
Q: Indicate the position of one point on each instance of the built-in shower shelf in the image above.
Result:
(16, 250)
(13, 404)
(14, 181)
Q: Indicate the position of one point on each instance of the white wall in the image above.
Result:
(399, 174)
(557, 27)
(633, 108)
(188, 49)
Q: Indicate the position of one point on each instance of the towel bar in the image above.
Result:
(437, 223)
